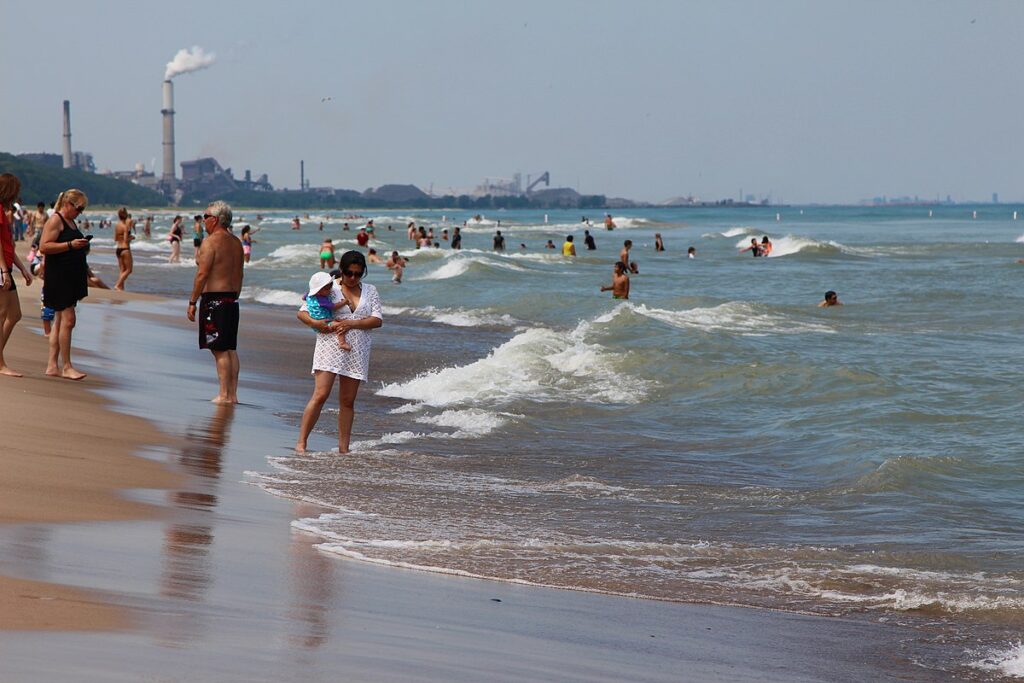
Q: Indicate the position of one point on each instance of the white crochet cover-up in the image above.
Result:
(355, 363)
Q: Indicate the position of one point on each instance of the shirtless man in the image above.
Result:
(620, 282)
(218, 282)
(123, 236)
(624, 254)
(831, 299)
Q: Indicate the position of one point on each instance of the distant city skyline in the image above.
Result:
(800, 101)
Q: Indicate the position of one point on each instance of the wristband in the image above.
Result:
(191, 303)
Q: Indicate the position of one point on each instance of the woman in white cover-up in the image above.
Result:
(330, 361)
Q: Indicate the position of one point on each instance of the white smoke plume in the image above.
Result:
(188, 60)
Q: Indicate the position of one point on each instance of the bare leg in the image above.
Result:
(233, 377)
(67, 326)
(52, 364)
(322, 383)
(10, 314)
(125, 263)
(227, 376)
(348, 388)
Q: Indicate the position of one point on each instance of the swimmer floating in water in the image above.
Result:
(831, 299)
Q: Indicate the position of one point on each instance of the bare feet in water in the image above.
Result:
(70, 373)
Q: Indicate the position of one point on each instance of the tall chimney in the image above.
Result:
(67, 134)
(168, 114)
(302, 176)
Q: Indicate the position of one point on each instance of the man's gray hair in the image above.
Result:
(222, 210)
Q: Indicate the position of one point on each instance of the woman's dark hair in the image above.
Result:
(353, 258)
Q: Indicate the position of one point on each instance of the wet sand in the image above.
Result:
(162, 564)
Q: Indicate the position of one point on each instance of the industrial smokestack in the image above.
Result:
(168, 114)
(302, 176)
(67, 135)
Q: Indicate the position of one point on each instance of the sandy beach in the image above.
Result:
(133, 549)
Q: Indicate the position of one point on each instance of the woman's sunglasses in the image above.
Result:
(352, 273)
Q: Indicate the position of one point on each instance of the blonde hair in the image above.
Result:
(122, 213)
(10, 188)
(72, 195)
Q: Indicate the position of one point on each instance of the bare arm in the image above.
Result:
(323, 326)
(48, 243)
(204, 264)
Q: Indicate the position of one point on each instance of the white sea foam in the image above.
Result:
(737, 317)
(273, 297)
(150, 247)
(454, 267)
(1005, 661)
(453, 317)
(793, 244)
(538, 364)
(468, 423)
(1020, 239)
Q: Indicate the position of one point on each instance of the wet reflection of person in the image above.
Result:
(310, 576)
(189, 537)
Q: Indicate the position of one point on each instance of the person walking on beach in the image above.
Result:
(620, 282)
(123, 250)
(36, 222)
(330, 362)
(10, 305)
(218, 281)
(67, 278)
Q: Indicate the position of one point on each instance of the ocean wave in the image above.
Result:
(794, 244)
(906, 472)
(538, 364)
(468, 423)
(273, 297)
(733, 232)
(453, 317)
(457, 266)
(736, 317)
(1007, 660)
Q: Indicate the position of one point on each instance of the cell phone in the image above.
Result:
(88, 238)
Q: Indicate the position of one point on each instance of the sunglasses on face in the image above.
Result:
(79, 209)
(352, 273)
(208, 215)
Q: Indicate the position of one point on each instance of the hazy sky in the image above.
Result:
(810, 101)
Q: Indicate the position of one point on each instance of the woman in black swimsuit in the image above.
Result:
(175, 239)
(67, 276)
(123, 237)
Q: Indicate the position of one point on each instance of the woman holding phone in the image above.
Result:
(67, 278)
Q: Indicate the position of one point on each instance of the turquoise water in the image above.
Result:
(716, 438)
